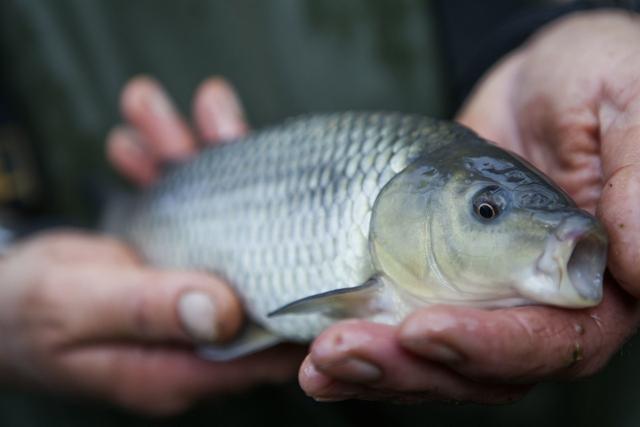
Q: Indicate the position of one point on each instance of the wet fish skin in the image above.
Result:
(286, 213)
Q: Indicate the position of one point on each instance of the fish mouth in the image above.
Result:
(586, 265)
(573, 263)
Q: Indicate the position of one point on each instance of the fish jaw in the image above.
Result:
(569, 273)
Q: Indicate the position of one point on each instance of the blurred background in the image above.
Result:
(64, 62)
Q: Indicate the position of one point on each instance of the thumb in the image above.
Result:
(488, 110)
(619, 205)
(140, 303)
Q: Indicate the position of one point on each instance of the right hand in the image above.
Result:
(569, 101)
(81, 314)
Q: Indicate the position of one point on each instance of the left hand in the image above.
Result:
(569, 101)
(153, 135)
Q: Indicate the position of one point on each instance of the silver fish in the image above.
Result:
(368, 215)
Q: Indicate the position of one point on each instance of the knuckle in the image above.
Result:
(41, 311)
(530, 331)
(141, 314)
(44, 290)
(599, 347)
(147, 310)
(522, 353)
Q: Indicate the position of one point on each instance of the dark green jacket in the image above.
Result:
(65, 61)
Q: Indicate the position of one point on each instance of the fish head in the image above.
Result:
(474, 224)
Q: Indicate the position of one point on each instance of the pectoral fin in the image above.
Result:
(252, 339)
(357, 301)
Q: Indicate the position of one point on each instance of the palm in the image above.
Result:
(569, 102)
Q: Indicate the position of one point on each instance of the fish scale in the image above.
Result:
(284, 213)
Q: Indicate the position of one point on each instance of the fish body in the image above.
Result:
(368, 215)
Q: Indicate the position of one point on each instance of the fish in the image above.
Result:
(365, 215)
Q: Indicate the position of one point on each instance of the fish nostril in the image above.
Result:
(586, 266)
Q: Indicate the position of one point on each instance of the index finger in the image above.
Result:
(523, 344)
(151, 112)
(364, 360)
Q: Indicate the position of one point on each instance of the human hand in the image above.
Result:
(155, 134)
(81, 314)
(569, 101)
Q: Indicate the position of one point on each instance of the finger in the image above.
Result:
(619, 205)
(523, 344)
(487, 110)
(101, 302)
(324, 388)
(217, 111)
(162, 380)
(149, 110)
(330, 390)
(128, 154)
(60, 246)
(369, 355)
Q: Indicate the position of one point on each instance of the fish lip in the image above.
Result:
(575, 259)
(586, 264)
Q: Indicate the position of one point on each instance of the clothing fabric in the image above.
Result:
(64, 63)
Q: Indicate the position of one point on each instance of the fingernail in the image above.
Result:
(225, 114)
(158, 103)
(433, 350)
(228, 98)
(354, 370)
(197, 314)
(442, 353)
(309, 371)
(228, 127)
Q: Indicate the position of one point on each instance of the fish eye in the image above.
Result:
(487, 210)
(489, 203)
